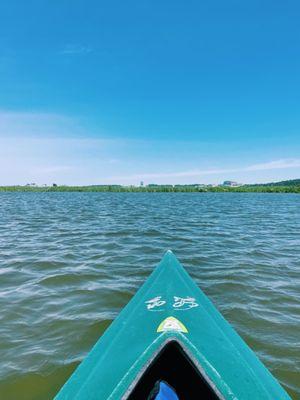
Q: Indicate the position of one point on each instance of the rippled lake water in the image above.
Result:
(70, 261)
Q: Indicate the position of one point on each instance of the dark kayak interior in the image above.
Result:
(175, 367)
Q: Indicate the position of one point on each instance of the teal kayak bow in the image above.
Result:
(171, 332)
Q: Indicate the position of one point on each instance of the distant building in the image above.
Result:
(141, 184)
(231, 184)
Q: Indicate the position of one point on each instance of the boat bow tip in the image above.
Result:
(170, 259)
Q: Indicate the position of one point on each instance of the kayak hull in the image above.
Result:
(170, 308)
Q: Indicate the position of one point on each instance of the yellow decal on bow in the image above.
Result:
(171, 324)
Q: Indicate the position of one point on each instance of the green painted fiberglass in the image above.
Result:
(170, 308)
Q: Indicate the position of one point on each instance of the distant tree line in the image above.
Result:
(261, 188)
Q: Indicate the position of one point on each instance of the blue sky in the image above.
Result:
(165, 92)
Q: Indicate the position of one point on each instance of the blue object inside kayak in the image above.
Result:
(166, 392)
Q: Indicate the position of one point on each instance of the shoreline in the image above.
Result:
(156, 189)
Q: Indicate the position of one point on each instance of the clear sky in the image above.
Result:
(160, 91)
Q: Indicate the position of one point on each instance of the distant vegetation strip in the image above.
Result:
(270, 188)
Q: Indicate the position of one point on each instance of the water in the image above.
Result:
(70, 261)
